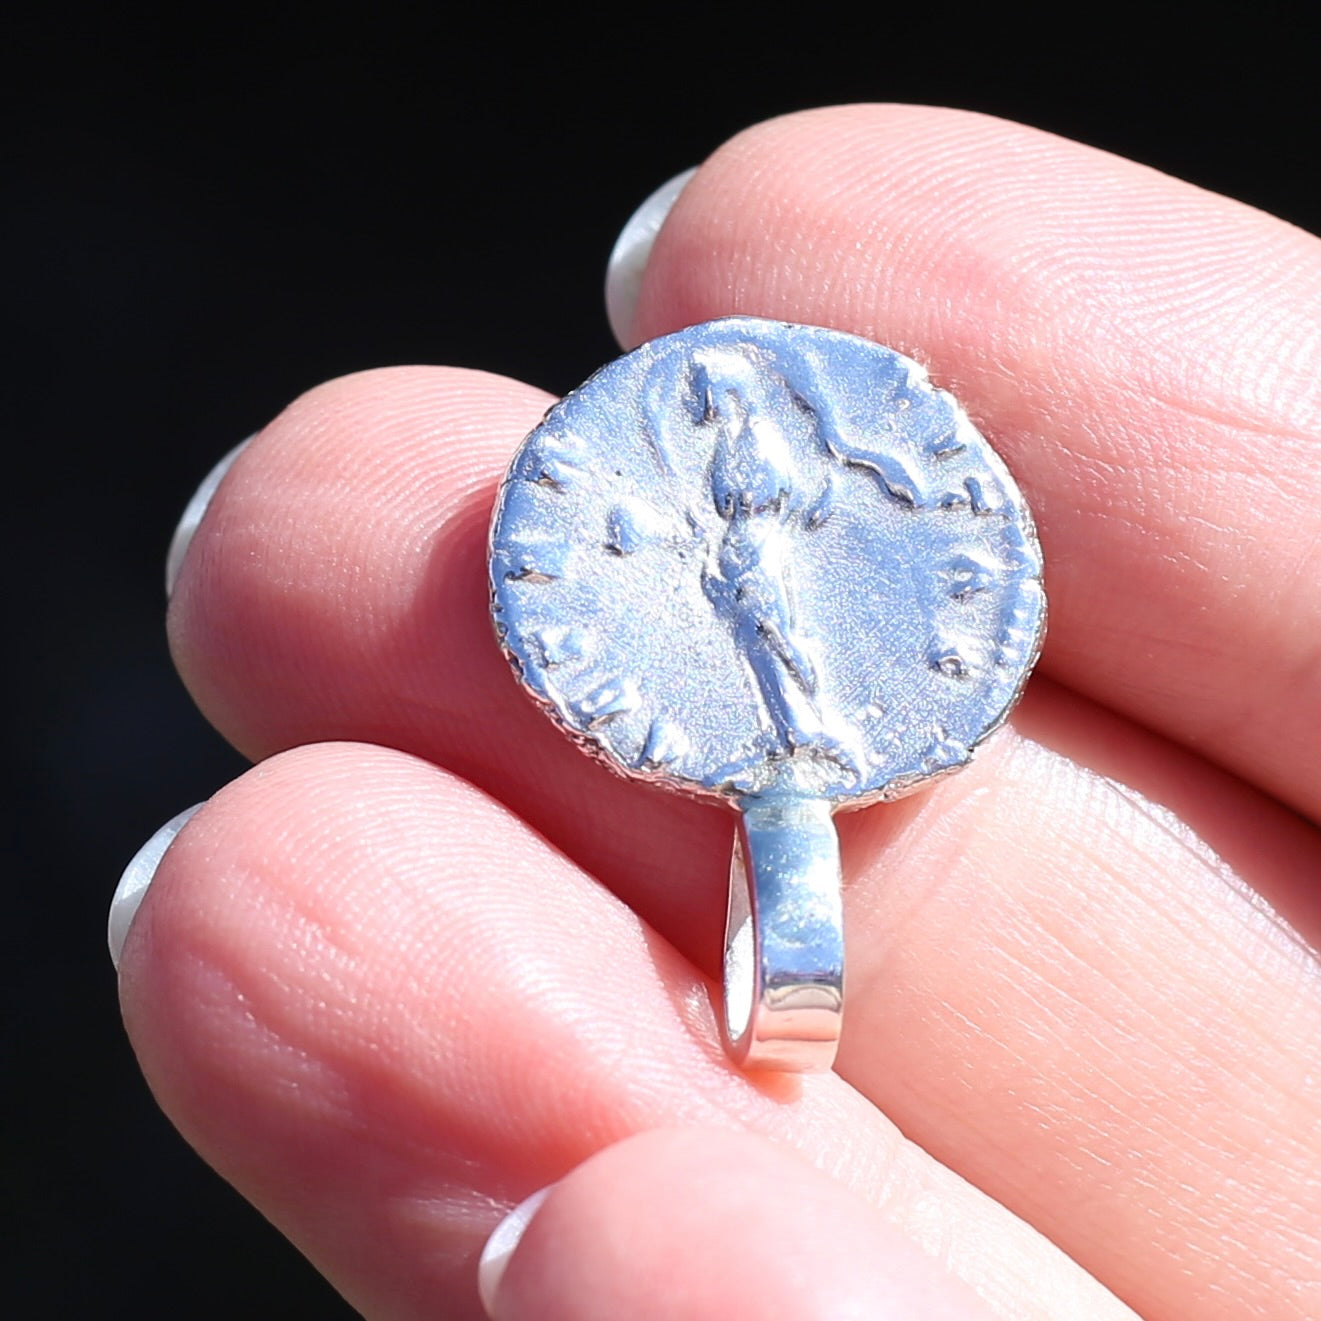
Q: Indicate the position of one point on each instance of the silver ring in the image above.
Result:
(774, 565)
(784, 937)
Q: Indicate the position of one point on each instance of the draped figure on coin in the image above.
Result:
(771, 482)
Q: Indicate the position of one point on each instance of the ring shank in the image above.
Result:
(784, 938)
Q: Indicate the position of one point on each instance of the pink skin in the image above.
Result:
(730, 1227)
(1083, 973)
(1142, 353)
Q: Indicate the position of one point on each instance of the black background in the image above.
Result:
(203, 218)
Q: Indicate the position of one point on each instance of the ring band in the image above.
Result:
(784, 937)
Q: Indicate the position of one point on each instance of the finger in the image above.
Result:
(337, 589)
(1146, 355)
(1105, 930)
(683, 1225)
(385, 1009)
(1060, 988)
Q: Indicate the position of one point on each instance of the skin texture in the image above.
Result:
(596, 1252)
(393, 981)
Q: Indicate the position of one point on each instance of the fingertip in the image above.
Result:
(194, 512)
(628, 259)
(505, 1237)
(137, 878)
(705, 1225)
(311, 586)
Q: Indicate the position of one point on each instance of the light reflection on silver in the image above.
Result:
(772, 564)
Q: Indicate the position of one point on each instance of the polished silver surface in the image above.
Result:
(773, 564)
(784, 937)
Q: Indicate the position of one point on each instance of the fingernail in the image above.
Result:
(632, 251)
(192, 516)
(500, 1247)
(133, 884)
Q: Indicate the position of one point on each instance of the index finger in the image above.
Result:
(1144, 354)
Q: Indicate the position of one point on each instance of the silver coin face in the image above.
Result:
(754, 557)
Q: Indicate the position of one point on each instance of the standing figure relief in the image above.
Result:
(769, 490)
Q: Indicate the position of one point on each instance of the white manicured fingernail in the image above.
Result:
(132, 886)
(632, 251)
(192, 516)
(500, 1247)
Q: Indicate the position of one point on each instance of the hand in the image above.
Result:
(426, 958)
